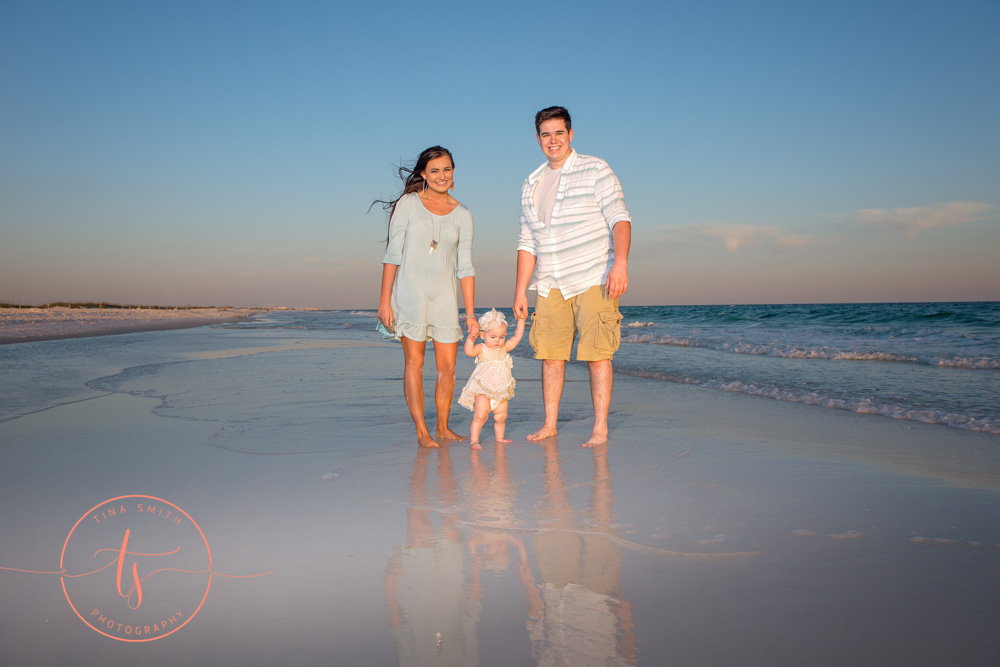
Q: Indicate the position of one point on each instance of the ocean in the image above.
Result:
(937, 363)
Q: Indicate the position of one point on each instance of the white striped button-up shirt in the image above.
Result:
(576, 250)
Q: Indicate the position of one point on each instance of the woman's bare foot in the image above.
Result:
(448, 434)
(426, 440)
(542, 433)
(475, 445)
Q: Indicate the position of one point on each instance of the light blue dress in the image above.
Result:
(425, 293)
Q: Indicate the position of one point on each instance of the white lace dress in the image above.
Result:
(492, 378)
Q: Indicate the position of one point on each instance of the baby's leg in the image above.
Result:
(500, 422)
(479, 416)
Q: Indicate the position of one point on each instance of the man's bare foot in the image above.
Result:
(475, 445)
(502, 441)
(448, 434)
(427, 441)
(542, 433)
(596, 439)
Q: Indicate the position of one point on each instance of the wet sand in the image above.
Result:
(715, 529)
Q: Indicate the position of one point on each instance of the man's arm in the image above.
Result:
(618, 275)
(525, 267)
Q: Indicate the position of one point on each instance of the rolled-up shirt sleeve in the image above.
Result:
(610, 197)
(465, 233)
(397, 232)
(526, 238)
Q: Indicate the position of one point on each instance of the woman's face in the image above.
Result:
(439, 174)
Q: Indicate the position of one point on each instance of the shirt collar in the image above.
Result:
(566, 166)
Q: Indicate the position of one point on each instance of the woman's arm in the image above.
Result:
(384, 306)
(469, 297)
(516, 338)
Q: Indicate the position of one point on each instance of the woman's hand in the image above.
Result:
(474, 327)
(385, 315)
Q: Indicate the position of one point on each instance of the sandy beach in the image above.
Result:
(20, 325)
(715, 529)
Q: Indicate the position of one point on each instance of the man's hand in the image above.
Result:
(617, 280)
(618, 275)
(521, 306)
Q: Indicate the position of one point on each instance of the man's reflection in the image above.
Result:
(585, 621)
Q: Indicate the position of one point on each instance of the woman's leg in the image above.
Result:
(444, 391)
(413, 387)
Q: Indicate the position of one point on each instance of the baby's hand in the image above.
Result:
(524, 314)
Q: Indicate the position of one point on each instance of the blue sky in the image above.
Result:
(206, 152)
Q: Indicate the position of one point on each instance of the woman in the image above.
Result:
(429, 245)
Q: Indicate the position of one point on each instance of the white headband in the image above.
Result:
(492, 319)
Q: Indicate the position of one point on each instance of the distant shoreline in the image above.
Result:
(29, 325)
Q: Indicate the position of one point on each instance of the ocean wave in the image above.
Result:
(828, 352)
(638, 325)
(863, 406)
(860, 405)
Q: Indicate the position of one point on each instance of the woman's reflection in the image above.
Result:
(432, 614)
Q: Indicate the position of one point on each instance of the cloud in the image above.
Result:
(732, 237)
(920, 218)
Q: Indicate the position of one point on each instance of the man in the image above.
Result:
(573, 249)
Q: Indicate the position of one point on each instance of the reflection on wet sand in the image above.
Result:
(432, 615)
(574, 609)
(585, 620)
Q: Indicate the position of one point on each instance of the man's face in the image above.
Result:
(554, 139)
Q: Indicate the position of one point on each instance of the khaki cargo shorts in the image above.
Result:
(557, 321)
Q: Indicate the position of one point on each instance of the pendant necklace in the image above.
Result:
(434, 244)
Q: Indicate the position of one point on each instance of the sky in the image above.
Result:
(226, 153)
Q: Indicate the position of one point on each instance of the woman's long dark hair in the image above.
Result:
(412, 180)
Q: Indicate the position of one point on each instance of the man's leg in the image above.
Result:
(602, 380)
(552, 332)
(600, 336)
(553, 375)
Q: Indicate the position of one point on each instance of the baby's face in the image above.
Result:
(494, 337)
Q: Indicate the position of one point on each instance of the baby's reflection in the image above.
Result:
(492, 498)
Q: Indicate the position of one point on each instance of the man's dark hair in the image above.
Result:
(548, 114)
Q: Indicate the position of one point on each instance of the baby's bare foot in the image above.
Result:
(475, 445)
(502, 441)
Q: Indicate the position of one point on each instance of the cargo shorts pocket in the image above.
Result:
(609, 333)
(532, 334)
